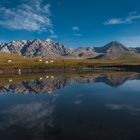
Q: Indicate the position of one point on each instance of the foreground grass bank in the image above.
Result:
(13, 62)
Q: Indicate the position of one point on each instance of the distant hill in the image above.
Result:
(117, 51)
(47, 48)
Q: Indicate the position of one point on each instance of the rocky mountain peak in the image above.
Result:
(114, 45)
(36, 47)
(48, 48)
(49, 40)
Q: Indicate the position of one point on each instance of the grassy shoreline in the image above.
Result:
(39, 64)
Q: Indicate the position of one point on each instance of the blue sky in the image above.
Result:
(74, 23)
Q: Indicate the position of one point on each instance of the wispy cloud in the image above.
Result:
(77, 102)
(30, 116)
(53, 34)
(114, 21)
(131, 18)
(78, 34)
(76, 31)
(75, 28)
(32, 16)
(131, 108)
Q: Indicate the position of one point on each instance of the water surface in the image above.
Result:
(95, 106)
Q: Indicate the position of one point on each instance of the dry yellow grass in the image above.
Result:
(27, 62)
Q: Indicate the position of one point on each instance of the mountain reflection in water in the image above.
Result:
(48, 84)
(96, 106)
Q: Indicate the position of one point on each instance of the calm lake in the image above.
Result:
(91, 106)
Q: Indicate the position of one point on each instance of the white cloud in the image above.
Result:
(76, 31)
(75, 28)
(133, 16)
(131, 108)
(32, 16)
(30, 116)
(78, 102)
(78, 34)
(114, 21)
(53, 34)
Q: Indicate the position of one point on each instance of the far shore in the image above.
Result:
(13, 63)
(92, 68)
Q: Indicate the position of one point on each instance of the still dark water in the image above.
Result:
(95, 106)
